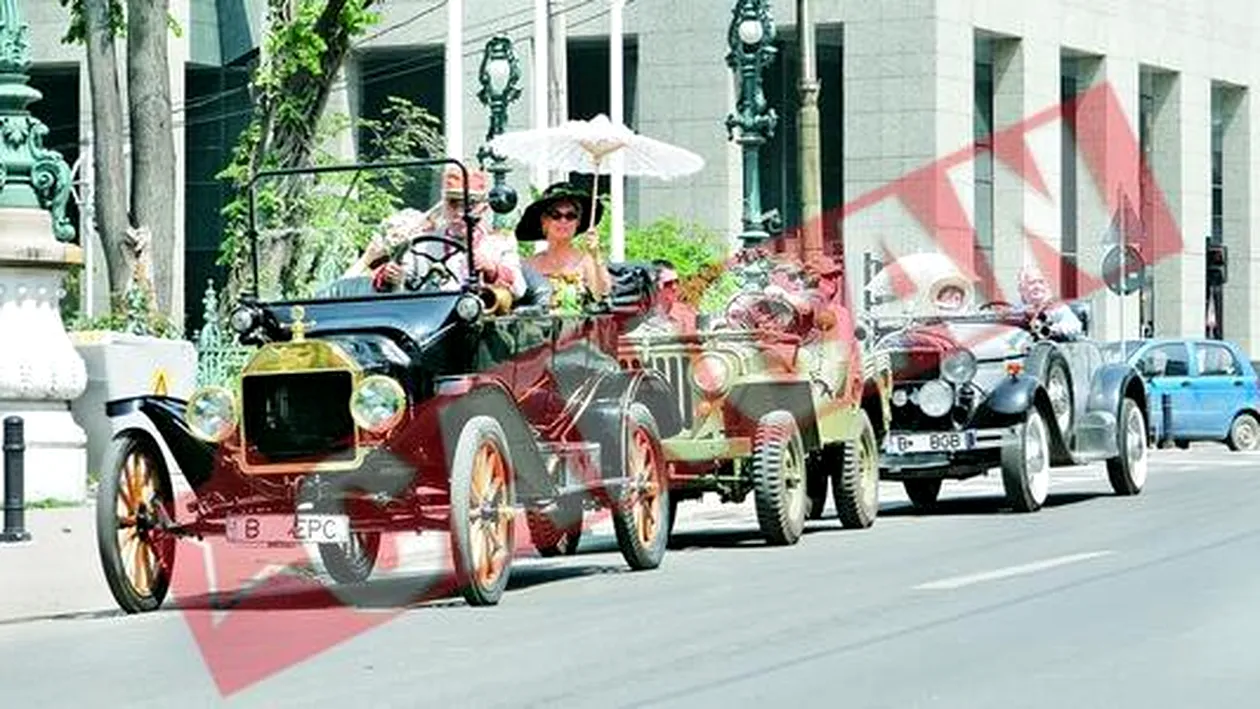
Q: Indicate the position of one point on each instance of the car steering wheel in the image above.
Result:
(997, 304)
(437, 269)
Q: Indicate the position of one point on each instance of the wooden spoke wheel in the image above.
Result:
(482, 511)
(641, 517)
(133, 503)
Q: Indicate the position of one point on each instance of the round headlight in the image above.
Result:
(211, 414)
(935, 398)
(711, 374)
(958, 367)
(468, 308)
(377, 403)
(899, 397)
(244, 319)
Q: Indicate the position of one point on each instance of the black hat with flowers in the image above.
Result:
(529, 228)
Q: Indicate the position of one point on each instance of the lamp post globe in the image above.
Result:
(500, 77)
(751, 40)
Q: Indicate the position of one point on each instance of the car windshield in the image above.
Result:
(322, 234)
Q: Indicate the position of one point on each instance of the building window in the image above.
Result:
(1069, 89)
(1214, 326)
(983, 134)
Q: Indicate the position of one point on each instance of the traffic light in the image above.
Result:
(1217, 264)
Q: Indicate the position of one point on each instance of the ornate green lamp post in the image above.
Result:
(751, 39)
(500, 77)
(40, 370)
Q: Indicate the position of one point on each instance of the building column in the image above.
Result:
(906, 109)
(1240, 318)
(1028, 163)
(1108, 160)
(1182, 171)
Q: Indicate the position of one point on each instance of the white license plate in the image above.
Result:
(943, 442)
(288, 529)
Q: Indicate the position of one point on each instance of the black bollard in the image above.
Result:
(14, 494)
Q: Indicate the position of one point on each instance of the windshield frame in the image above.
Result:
(252, 294)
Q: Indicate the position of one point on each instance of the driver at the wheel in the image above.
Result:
(495, 252)
(1035, 292)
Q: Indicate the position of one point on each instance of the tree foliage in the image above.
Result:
(303, 50)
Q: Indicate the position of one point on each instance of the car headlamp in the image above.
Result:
(244, 319)
(711, 374)
(378, 403)
(468, 308)
(211, 414)
(958, 367)
(935, 398)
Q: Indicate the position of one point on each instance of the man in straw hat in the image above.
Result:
(494, 252)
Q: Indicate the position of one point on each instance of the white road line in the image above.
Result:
(960, 581)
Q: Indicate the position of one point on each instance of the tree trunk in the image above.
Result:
(153, 146)
(110, 188)
(290, 138)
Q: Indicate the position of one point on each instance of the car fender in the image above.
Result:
(748, 401)
(602, 420)
(161, 419)
(1010, 401)
(1111, 384)
(456, 399)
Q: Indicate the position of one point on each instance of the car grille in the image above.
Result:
(915, 365)
(677, 369)
(298, 418)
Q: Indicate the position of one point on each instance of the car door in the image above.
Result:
(1166, 368)
(1220, 388)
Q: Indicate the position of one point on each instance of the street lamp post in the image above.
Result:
(751, 39)
(500, 77)
(40, 370)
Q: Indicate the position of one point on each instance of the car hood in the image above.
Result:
(408, 321)
(989, 342)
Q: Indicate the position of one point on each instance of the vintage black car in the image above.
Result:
(992, 388)
(363, 413)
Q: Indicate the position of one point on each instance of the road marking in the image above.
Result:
(1008, 572)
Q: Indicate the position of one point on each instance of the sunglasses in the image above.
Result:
(562, 216)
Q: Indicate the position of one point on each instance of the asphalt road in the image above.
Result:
(1096, 601)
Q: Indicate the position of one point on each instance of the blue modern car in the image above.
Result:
(1206, 388)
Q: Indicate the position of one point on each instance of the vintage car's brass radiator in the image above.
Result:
(297, 416)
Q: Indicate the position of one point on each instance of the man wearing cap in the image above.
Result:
(494, 252)
(668, 303)
(831, 315)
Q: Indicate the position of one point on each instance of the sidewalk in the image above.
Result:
(58, 571)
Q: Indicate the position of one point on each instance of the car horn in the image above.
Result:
(496, 300)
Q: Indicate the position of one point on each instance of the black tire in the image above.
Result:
(558, 536)
(1244, 433)
(641, 510)
(145, 499)
(778, 476)
(353, 562)
(1182, 445)
(817, 477)
(1026, 465)
(856, 488)
(482, 450)
(1127, 471)
(923, 491)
